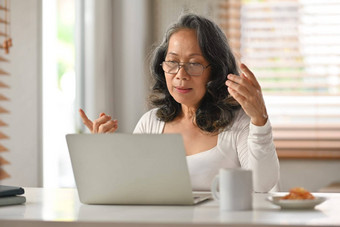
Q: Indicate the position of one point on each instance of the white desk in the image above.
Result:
(61, 207)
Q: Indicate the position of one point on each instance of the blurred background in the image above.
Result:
(71, 54)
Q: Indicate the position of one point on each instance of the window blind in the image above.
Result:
(293, 48)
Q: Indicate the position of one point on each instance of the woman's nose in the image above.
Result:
(182, 74)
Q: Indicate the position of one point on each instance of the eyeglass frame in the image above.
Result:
(183, 64)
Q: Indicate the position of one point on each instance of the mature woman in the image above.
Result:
(199, 93)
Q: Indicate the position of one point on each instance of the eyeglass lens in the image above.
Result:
(193, 69)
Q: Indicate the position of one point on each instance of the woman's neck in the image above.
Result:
(188, 113)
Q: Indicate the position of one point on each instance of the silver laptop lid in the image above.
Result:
(130, 168)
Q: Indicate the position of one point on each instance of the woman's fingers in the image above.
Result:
(104, 124)
(247, 91)
(87, 122)
(108, 126)
(111, 126)
(239, 98)
(239, 84)
(99, 122)
(250, 75)
(112, 130)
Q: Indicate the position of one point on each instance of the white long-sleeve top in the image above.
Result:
(242, 145)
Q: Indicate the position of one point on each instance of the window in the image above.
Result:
(293, 47)
(58, 90)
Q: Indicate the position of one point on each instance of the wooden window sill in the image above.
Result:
(300, 154)
(307, 142)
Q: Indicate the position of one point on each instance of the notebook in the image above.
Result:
(131, 169)
(10, 195)
(6, 190)
(12, 200)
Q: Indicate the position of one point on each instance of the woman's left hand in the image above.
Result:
(247, 91)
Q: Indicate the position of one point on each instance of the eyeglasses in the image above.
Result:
(193, 69)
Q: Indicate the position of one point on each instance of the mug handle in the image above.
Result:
(214, 186)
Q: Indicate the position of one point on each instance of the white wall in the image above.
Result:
(311, 174)
(24, 119)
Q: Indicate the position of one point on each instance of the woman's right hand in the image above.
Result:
(103, 124)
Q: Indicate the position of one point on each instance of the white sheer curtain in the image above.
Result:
(110, 77)
(110, 46)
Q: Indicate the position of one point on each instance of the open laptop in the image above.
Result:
(131, 169)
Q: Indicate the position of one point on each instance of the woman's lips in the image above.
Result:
(183, 90)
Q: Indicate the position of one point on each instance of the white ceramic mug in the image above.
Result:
(235, 189)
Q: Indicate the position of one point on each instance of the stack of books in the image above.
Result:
(10, 195)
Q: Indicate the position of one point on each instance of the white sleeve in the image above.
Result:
(141, 125)
(149, 123)
(256, 151)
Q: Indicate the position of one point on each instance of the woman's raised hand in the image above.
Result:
(103, 124)
(247, 91)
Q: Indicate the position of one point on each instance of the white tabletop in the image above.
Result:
(61, 207)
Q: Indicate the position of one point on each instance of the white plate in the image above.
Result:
(296, 204)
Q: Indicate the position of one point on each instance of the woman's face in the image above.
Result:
(185, 89)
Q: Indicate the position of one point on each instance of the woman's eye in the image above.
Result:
(194, 64)
(172, 63)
